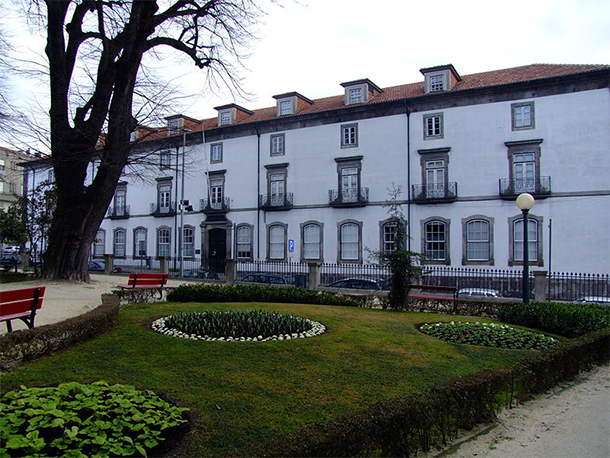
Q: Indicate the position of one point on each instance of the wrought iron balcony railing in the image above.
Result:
(434, 193)
(275, 202)
(118, 212)
(539, 187)
(157, 209)
(351, 198)
(208, 206)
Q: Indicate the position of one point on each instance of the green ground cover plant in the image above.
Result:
(244, 394)
(84, 420)
(488, 335)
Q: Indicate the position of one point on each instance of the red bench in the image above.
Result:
(20, 304)
(146, 281)
(422, 288)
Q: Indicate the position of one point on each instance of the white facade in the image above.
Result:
(313, 184)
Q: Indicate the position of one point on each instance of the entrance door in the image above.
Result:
(217, 250)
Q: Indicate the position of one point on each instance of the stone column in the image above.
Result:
(313, 279)
(108, 263)
(164, 263)
(230, 270)
(540, 285)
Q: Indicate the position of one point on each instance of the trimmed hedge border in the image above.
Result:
(406, 425)
(19, 346)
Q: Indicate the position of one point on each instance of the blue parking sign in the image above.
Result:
(291, 246)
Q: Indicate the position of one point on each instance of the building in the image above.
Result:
(308, 180)
(11, 176)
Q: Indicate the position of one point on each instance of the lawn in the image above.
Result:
(241, 393)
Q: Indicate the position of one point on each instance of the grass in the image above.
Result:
(242, 393)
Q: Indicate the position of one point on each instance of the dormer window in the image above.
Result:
(360, 91)
(291, 103)
(225, 118)
(441, 78)
(174, 126)
(230, 114)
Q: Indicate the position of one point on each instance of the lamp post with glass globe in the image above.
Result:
(525, 202)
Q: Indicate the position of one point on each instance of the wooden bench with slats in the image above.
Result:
(21, 304)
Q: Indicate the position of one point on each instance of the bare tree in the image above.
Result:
(96, 49)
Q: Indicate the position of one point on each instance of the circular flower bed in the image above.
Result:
(488, 335)
(237, 325)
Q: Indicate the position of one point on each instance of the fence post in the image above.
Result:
(416, 275)
(230, 271)
(25, 260)
(313, 279)
(108, 263)
(540, 285)
(164, 265)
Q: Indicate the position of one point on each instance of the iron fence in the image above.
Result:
(330, 273)
(578, 287)
(293, 273)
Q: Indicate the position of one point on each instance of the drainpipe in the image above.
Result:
(408, 178)
(258, 191)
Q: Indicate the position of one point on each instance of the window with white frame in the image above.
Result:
(278, 145)
(312, 241)
(389, 233)
(139, 242)
(532, 240)
(120, 200)
(435, 240)
(286, 107)
(522, 115)
(99, 244)
(478, 240)
(277, 188)
(350, 242)
(433, 126)
(243, 237)
(163, 242)
(165, 159)
(354, 95)
(277, 242)
(164, 194)
(51, 176)
(174, 126)
(188, 242)
(349, 135)
(216, 192)
(216, 153)
(437, 83)
(119, 243)
(524, 172)
(225, 118)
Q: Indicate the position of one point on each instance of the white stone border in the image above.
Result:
(316, 330)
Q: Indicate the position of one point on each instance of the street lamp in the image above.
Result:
(525, 202)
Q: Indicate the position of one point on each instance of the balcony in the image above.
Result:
(211, 208)
(539, 187)
(121, 212)
(275, 202)
(352, 198)
(434, 193)
(158, 210)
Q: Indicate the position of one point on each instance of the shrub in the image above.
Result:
(248, 325)
(488, 335)
(568, 320)
(256, 293)
(77, 420)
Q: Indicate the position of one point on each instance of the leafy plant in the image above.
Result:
(237, 324)
(77, 420)
(488, 335)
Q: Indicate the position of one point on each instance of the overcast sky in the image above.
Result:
(312, 46)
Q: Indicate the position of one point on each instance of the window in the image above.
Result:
(119, 243)
(277, 242)
(524, 172)
(311, 235)
(165, 159)
(349, 184)
(532, 240)
(12, 187)
(225, 118)
(433, 126)
(478, 241)
(355, 95)
(243, 237)
(216, 153)
(522, 115)
(188, 242)
(285, 107)
(139, 243)
(435, 178)
(277, 188)
(524, 169)
(437, 83)
(389, 232)
(349, 242)
(2, 167)
(349, 135)
(174, 126)
(164, 194)
(99, 244)
(277, 145)
(51, 176)
(216, 193)
(163, 242)
(436, 240)
(120, 201)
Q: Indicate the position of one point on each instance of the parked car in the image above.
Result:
(10, 249)
(594, 300)
(7, 261)
(99, 266)
(478, 292)
(360, 283)
(200, 273)
(266, 279)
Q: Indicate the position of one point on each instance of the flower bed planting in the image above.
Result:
(488, 335)
(237, 326)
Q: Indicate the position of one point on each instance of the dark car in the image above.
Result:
(266, 279)
(9, 260)
(360, 283)
(99, 266)
(200, 273)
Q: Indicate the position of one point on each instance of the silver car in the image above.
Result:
(478, 292)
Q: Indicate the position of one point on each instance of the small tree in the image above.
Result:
(400, 260)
